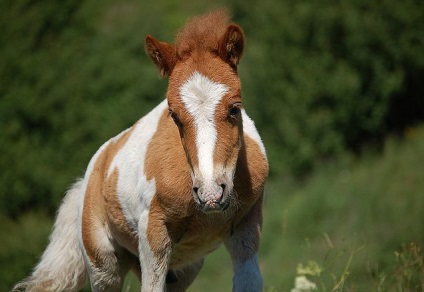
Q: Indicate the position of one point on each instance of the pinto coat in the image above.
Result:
(160, 196)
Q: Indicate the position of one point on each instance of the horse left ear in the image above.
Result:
(231, 45)
(164, 55)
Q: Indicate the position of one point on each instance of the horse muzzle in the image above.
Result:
(211, 197)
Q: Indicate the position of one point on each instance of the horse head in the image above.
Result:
(204, 99)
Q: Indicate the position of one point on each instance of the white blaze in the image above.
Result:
(200, 96)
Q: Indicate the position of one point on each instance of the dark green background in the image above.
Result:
(325, 81)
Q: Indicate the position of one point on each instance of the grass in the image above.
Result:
(22, 242)
(350, 218)
(355, 225)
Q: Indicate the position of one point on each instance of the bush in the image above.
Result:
(321, 77)
(73, 76)
(318, 78)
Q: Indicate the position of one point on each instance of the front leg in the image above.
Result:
(243, 246)
(155, 251)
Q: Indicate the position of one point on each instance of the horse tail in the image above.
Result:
(61, 267)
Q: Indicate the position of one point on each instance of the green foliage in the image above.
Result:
(408, 271)
(330, 75)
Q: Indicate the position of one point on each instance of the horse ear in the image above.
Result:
(163, 55)
(231, 45)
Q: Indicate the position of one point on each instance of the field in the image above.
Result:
(354, 225)
(361, 222)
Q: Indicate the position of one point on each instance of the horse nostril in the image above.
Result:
(195, 189)
(223, 187)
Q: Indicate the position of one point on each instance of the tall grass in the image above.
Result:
(21, 243)
(353, 218)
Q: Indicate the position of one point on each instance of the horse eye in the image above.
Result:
(174, 116)
(235, 109)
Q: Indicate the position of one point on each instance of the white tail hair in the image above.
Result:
(61, 267)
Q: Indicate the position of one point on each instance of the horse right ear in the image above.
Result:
(231, 45)
(164, 55)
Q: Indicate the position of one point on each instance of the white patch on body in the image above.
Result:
(250, 129)
(134, 191)
(200, 96)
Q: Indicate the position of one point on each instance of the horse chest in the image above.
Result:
(197, 242)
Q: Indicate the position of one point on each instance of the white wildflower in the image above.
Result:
(302, 284)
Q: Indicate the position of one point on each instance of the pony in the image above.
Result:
(161, 195)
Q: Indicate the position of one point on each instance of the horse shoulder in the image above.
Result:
(166, 164)
(252, 169)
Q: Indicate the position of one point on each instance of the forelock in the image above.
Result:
(202, 33)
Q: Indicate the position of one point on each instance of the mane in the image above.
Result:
(202, 33)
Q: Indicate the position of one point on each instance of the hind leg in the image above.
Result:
(180, 280)
(107, 271)
(107, 263)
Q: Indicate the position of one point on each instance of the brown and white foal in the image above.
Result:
(160, 196)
